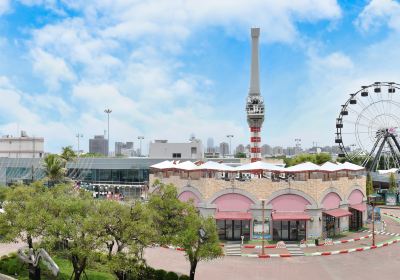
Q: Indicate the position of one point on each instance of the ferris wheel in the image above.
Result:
(367, 126)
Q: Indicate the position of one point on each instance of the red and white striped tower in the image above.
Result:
(255, 102)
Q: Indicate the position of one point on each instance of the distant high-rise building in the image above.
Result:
(266, 150)
(124, 149)
(239, 149)
(98, 145)
(277, 151)
(224, 149)
(21, 147)
(210, 145)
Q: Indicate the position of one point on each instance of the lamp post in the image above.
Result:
(372, 198)
(78, 136)
(108, 112)
(140, 145)
(263, 227)
(230, 136)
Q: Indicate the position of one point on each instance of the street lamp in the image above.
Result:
(230, 136)
(140, 145)
(372, 198)
(263, 227)
(78, 136)
(108, 112)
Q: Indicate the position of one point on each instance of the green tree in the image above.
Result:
(3, 193)
(74, 219)
(24, 216)
(392, 183)
(167, 211)
(180, 224)
(199, 238)
(126, 231)
(369, 185)
(54, 168)
(68, 154)
(240, 155)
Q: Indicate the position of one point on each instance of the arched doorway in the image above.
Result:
(187, 196)
(357, 208)
(333, 217)
(289, 219)
(233, 216)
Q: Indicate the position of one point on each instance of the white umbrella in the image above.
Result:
(164, 165)
(330, 167)
(187, 166)
(212, 165)
(303, 167)
(351, 166)
(259, 165)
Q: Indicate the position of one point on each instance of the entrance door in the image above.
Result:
(285, 230)
(355, 219)
(229, 230)
(237, 226)
(289, 230)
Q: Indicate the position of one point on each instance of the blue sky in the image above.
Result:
(171, 68)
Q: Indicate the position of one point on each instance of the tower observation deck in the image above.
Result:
(255, 102)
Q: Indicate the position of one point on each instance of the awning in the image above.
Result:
(337, 213)
(278, 216)
(233, 216)
(359, 207)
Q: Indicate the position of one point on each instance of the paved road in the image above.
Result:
(381, 263)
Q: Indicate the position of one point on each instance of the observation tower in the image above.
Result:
(255, 102)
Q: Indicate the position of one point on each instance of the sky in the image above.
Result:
(170, 69)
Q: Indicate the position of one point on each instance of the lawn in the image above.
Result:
(13, 267)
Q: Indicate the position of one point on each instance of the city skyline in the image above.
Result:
(63, 64)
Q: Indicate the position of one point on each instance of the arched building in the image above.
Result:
(299, 202)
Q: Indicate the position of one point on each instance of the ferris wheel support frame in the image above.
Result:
(383, 141)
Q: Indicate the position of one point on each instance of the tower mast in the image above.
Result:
(255, 102)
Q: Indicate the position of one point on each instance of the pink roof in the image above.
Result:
(337, 213)
(292, 216)
(233, 216)
(360, 207)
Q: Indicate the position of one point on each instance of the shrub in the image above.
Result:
(159, 274)
(184, 277)
(171, 276)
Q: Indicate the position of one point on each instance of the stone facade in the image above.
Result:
(207, 190)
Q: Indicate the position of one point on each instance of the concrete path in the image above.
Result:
(380, 263)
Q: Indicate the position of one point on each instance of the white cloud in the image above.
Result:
(4, 6)
(378, 13)
(53, 69)
(124, 54)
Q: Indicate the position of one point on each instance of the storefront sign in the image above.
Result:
(391, 199)
(257, 230)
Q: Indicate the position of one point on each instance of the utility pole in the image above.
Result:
(108, 112)
(78, 136)
(140, 145)
(230, 136)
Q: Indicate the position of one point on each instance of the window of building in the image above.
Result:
(176, 155)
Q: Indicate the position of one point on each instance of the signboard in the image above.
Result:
(377, 213)
(391, 199)
(257, 229)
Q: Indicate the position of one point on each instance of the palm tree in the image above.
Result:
(68, 153)
(54, 168)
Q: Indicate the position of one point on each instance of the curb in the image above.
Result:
(353, 249)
